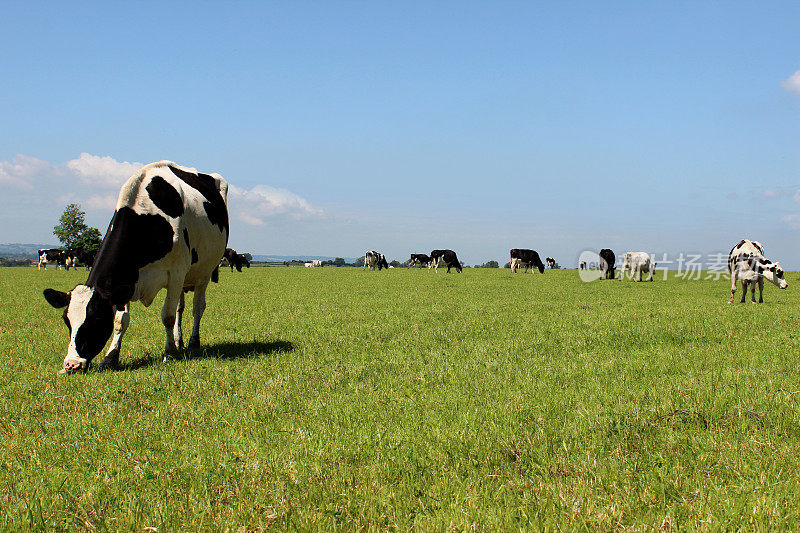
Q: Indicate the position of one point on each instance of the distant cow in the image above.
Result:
(551, 263)
(169, 230)
(316, 263)
(607, 261)
(420, 259)
(232, 259)
(307, 265)
(373, 259)
(52, 255)
(446, 258)
(582, 265)
(747, 264)
(526, 258)
(82, 257)
(637, 263)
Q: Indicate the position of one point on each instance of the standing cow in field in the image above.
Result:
(637, 263)
(168, 232)
(607, 261)
(82, 257)
(446, 258)
(551, 263)
(53, 255)
(582, 265)
(420, 259)
(527, 258)
(746, 263)
(373, 259)
(232, 259)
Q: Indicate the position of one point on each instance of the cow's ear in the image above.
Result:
(56, 298)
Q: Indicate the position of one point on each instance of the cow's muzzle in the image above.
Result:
(74, 365)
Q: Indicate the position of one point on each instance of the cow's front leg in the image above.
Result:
(168, 312)
(761, 290)
(121, 320)
(198, 307)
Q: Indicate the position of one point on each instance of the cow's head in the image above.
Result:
(90, 319)
(774, 274)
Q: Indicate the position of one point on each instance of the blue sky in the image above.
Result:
(405, 126)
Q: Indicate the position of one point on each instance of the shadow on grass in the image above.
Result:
(222, 350)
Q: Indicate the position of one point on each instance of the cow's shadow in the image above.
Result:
(221, 350)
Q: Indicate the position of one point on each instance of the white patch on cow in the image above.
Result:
(76, 314)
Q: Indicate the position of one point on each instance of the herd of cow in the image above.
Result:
(169, 231)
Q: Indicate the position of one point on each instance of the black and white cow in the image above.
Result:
(53, 255)
(526, 258)
(636, 264)
(551, 263)
(446, 258)
(373, 259)
(232, 259)
(420, 259)
(582, 265)
(82, 257)
(607, 261)
(746, 263)
(169, 230)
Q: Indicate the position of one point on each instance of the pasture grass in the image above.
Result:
(343, 399)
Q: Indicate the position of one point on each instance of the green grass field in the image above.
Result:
(342, 399)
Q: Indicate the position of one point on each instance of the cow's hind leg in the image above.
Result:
(761, 290)
(744, 289)
(121, 320)
(733, 286)
(753, 291)
(168, 312)
(198, 307)
(177, 332)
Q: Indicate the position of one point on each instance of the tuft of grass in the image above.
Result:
(343, 399)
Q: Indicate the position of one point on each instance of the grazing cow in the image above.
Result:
(52, 255)
(420, 259)
(307, 265)
(747, 264)
(637, 263)
(232, 259)
(551, 263)
(316, 263)
(527, 258)
(607, 261)
(446, 258)
(168, 232)
(373, 259)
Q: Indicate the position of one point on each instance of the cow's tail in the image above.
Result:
(215, 275)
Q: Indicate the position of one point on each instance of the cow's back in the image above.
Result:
(170, 221)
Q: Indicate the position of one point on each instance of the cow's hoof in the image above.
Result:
(194, 342)
(109, 363)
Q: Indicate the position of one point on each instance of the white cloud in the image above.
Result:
(94, 181)
(106, 201)
(792, 83)
(793, 221)
(102, 171)
(23, 171)
(253, 206)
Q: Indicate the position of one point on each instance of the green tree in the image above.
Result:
(359, 262)
(395, 264)
(73, 232)
(339, 262)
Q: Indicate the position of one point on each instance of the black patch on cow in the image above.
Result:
(186, 238)
(165, 196)
(194, 256)
(215, 274)
(131, 242)
(215, 207)
(96, 329)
